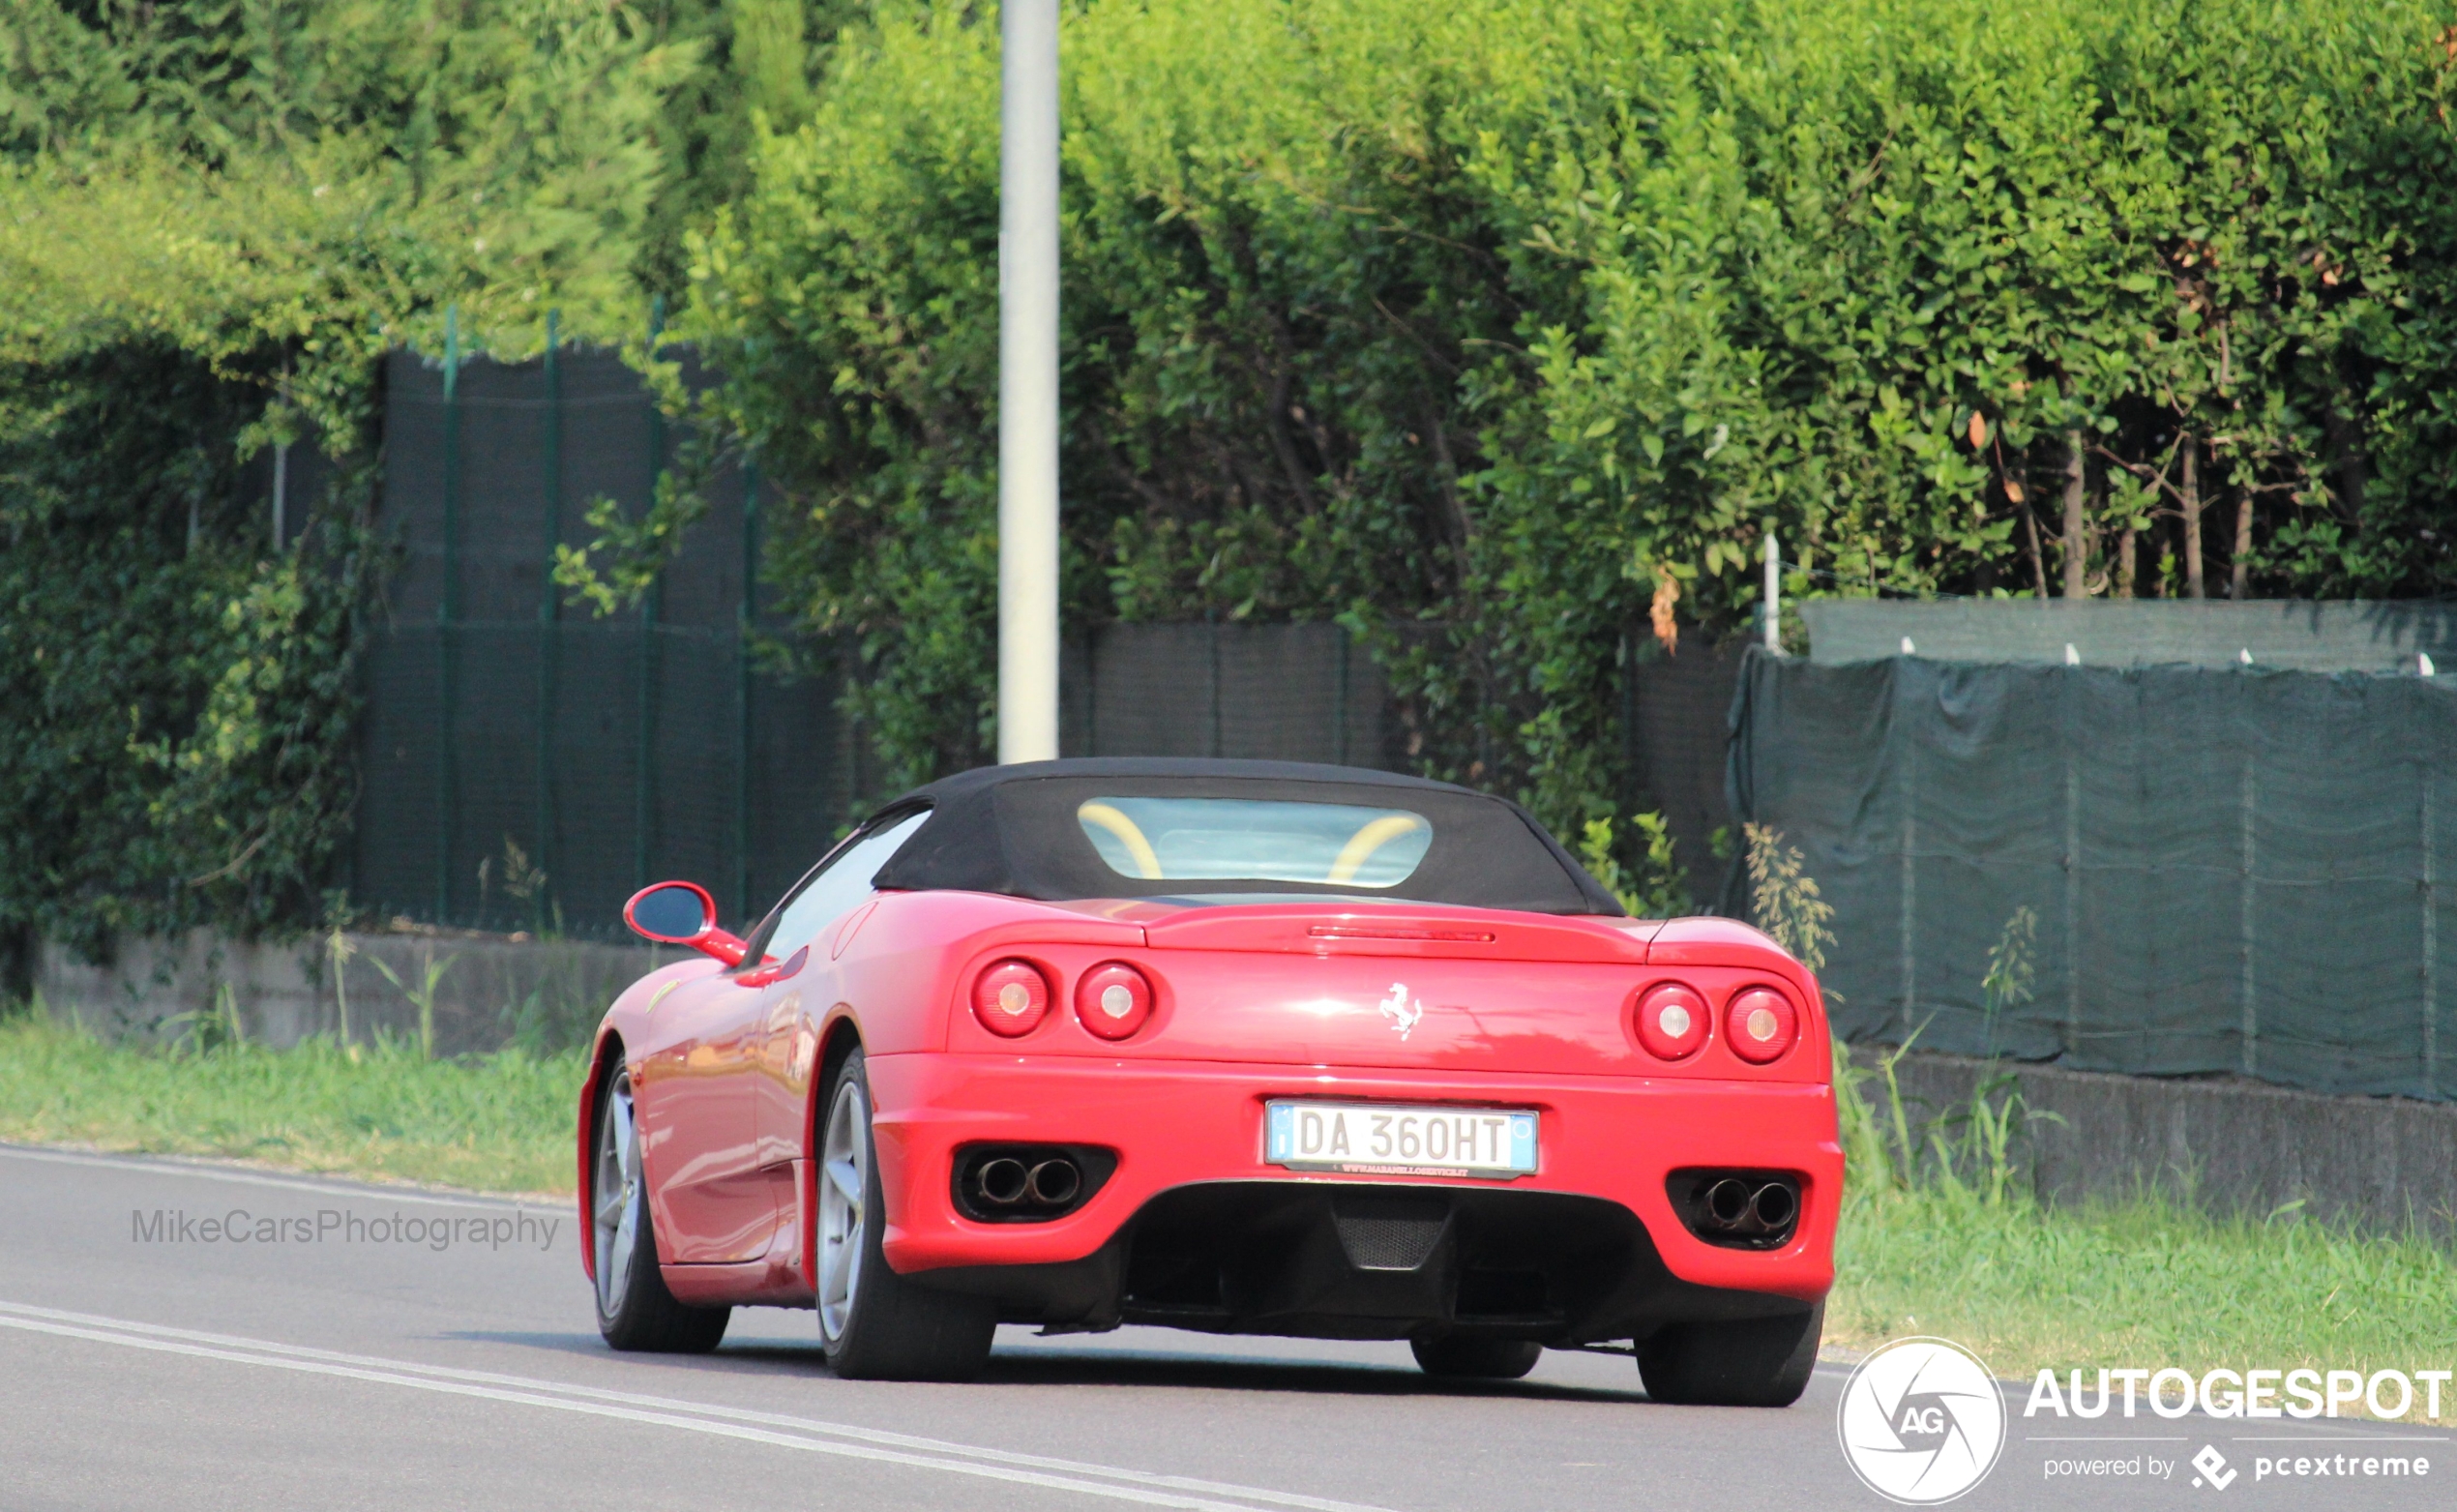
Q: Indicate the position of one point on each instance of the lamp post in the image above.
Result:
(1028, 382)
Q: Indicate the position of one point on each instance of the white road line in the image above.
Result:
(371, 1192)
(808, 1433)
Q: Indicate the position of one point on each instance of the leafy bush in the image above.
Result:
(214, 219)
(1495, 320)
(1488, 328)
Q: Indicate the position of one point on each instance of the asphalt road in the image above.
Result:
(147, 1359)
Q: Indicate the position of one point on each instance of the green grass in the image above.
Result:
(2142, 1282)
(1955, 1245)
(497, 1124)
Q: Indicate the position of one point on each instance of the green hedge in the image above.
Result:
(1492, 328)
(1525, 318)
(215, 217)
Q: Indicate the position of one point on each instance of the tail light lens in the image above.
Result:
(1761, 1025)
(1011, 998)
(1671, 1021)
(1113, 1000)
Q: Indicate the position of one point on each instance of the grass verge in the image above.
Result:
(497, 1124)
(2144, 1283)
(1952, 1243)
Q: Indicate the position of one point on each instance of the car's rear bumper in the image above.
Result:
(1611, 1140)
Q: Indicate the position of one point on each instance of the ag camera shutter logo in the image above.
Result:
(1922, 1421)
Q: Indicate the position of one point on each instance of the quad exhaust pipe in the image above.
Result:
(1007, 1183)
(1747, 1207)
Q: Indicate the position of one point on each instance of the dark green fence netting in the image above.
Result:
(2226, 871)
(527, 765)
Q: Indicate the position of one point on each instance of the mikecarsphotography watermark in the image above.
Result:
(519, 1230)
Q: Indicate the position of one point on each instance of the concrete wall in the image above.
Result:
(2228, 1145)
(490, 991)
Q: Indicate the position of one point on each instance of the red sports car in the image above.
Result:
(1239, 1047)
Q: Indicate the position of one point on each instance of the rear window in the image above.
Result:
(1188, 831)
(1258, 840)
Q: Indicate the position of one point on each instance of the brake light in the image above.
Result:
(1113, 1000)
(1011, 998)
(1671, 1021)
(1761, 1025)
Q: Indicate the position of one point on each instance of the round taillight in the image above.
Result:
(1671, 1021)
(1113, 1000)
(1011, 998)
(1761, 1025)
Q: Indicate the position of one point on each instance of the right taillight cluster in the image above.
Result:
(1012, 997)
(1674, 1023)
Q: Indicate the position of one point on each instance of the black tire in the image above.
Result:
(875, 1324)
(1752, 1362)
(633, 1309)
(1474, 1358)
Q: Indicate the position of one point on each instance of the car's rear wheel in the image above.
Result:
(1470, 1358)
(633, 1309)
(1750, 1362)
(875, 1324)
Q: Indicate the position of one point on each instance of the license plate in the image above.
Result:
(1396, 1140)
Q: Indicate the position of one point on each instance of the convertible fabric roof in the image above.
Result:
(1013, 830)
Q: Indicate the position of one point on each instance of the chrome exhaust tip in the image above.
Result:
(1728, 1202)
(1053, 1183)
(1001, 1182)
(1775, 1205)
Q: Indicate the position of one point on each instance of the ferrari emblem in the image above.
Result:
(1401, 1010)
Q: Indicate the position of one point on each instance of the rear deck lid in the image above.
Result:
(1454, 989)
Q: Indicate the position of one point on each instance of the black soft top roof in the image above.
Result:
(1013, 830)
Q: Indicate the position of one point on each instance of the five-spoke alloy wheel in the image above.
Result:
(874, 1324)
(633, 1309)
(845, 1180)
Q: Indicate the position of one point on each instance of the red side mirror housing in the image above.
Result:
(682, 913)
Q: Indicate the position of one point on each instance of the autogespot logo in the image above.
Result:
(1922, 1421)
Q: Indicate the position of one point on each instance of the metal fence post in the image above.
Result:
(1211, 634)
(1092, 692)
(1339, 750)
(550, 644)
(2072, 860)
(2431, 943)
(1626, 663)
(1770, 605)
(1910, 845)
(2251, 1015)
(746, 614)
(280, 494)
(644, 750)
(448, 610)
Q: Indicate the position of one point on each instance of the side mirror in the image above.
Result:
(681, 913)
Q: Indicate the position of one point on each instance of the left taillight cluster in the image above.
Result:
(1012, 997)
(1674, 1021)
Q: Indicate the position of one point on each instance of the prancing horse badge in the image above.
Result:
(1401, 1010)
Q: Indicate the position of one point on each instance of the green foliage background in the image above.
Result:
(215, 217)
(1484, 327)
(1478, 324)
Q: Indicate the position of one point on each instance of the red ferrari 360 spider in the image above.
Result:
(1231, 1046)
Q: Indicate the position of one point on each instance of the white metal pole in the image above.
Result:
(1028, 382)
(1774, 593)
